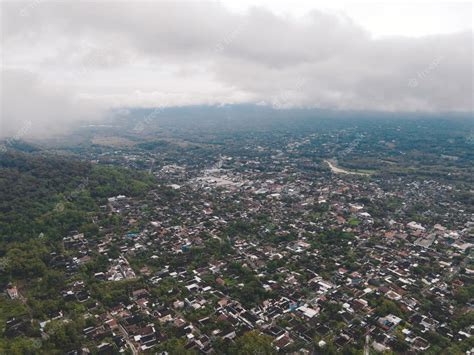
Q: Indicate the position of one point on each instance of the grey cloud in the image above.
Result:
(30, 107)
(323, 60)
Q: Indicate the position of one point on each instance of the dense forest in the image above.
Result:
(45, 197)
(50, 194)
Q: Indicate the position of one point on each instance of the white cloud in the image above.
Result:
(142, 53)
(44, 109)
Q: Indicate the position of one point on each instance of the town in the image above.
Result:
(264, 243)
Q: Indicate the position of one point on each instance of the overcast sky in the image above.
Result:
(65, 61)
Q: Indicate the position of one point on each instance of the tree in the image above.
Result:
(62, 335)
(252, 343)
(175, 347)
(388, 307)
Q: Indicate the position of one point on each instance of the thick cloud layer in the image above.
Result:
(67, 61)
(31, 107)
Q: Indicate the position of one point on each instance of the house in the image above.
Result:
(13, 293)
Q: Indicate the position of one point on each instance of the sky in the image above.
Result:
(70, 61)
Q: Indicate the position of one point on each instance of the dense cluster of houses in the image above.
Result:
(310, 258)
